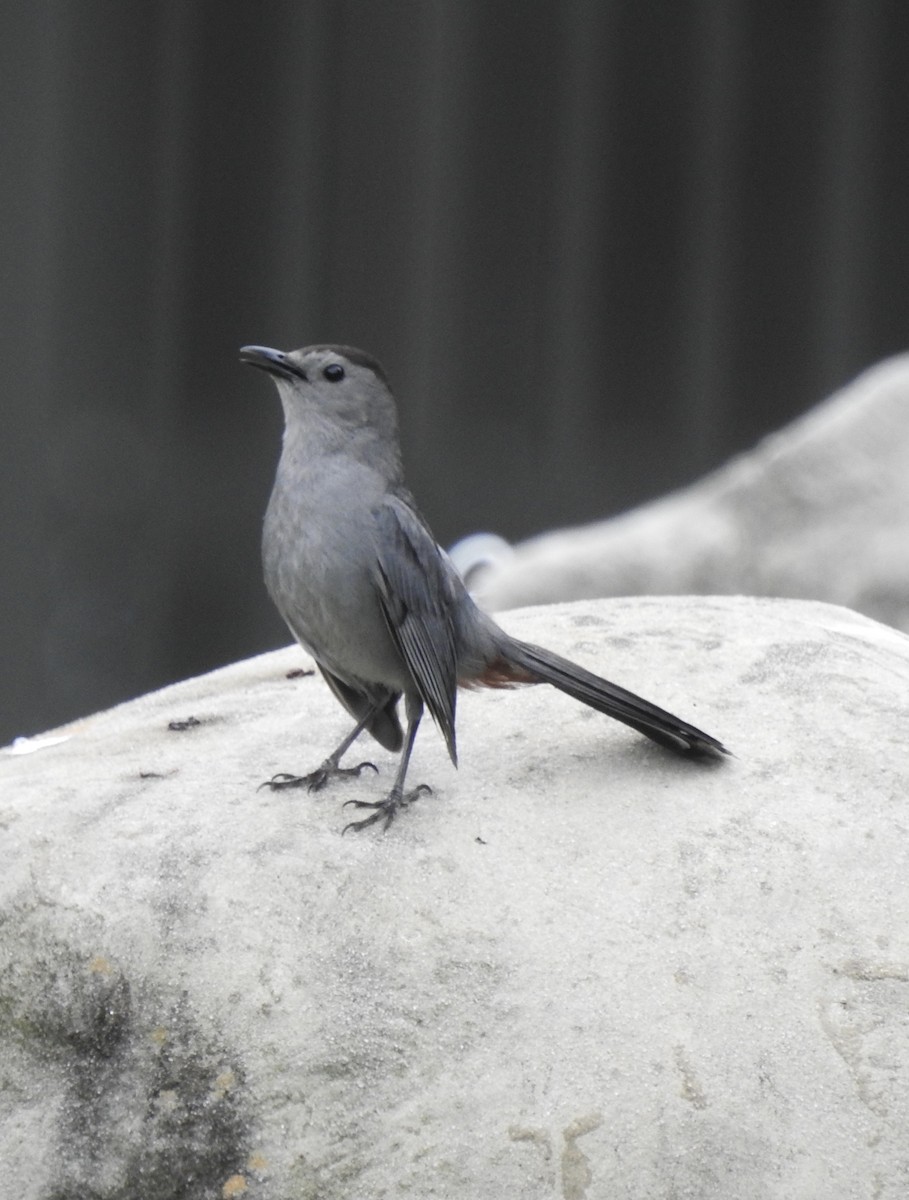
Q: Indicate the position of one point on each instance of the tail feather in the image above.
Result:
(609, 698)
(384, 725)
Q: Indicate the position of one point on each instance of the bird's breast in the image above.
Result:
(319, 558)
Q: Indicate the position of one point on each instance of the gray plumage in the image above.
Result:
(356, 573)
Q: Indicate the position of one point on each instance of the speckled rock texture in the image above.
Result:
(582, 968)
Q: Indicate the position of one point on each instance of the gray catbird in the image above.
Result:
(358, 577)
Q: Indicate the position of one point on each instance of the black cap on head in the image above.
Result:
(360, 357)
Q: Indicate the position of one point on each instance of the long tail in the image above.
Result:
(610, 699)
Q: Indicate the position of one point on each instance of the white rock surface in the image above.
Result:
(819, 510)
(584, 968)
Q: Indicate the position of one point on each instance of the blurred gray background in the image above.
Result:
(598, 247)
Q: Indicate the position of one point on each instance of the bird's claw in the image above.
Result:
(317, 779)
(386, 808)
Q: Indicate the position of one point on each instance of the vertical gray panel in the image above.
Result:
(599, 246)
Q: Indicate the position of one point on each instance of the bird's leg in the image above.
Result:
(317, 779)
(397, 798)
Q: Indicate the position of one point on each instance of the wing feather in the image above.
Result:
(417, 592)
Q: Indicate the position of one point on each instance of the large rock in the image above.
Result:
(582, 968)
(819, 510)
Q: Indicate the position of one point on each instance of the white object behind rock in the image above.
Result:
(583, 968)
(819, 510)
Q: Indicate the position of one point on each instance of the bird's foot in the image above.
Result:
(386, 809)
(317, 779)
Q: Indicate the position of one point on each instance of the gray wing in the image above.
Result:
(419, 591)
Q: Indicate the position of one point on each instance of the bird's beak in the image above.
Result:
(276, 362)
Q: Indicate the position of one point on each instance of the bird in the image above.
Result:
(355, 572)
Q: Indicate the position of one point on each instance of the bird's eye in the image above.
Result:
(334, 372)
